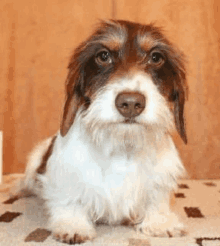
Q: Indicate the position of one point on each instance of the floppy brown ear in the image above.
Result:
(70, 109)
(179, 116)
(180, 96)
(74, 95)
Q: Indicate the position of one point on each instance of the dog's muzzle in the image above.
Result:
(130, 104)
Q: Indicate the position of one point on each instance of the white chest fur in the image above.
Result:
(109, 184)
(104, 181)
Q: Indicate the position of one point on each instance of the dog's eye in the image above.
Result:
(103, 58)
(156, 58)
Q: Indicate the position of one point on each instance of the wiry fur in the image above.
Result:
(103, 170)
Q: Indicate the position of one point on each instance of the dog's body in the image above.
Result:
(114, 160)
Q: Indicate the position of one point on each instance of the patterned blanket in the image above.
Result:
(23, 221)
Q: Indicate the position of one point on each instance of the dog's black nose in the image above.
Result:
(130, 104)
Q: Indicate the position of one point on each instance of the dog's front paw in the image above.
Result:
(162, 226)
(72, 233)
(73, 238)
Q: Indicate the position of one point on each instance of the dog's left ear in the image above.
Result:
(74, 96)
(180, 94)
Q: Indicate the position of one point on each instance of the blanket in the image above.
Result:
(197, 202)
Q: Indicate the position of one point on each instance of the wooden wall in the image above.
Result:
(37, 38)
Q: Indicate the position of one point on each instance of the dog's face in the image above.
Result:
(126, 77)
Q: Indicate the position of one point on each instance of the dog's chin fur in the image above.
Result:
(119, 137)
(102, 167)
(124, 138)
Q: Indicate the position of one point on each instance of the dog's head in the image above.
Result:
(126, 74)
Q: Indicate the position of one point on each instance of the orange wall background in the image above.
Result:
(38, 37)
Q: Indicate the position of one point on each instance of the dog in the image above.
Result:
(113, 160)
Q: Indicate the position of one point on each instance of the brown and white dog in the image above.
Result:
(113, 160)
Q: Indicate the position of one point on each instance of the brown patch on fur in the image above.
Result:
(70, 109)
(75, 239)
(42, 168)
(132, 221)
(114, 35)
(146, 42)
(127, 222)
(112, 43)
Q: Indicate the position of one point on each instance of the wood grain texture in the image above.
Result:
(37, 39)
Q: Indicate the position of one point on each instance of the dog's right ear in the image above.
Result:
(74, 95)
(75, 82)
(69, 113)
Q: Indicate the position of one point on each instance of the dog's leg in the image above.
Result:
(159, 220)
(69, 223)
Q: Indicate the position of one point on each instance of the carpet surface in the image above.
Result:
(23, 221)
